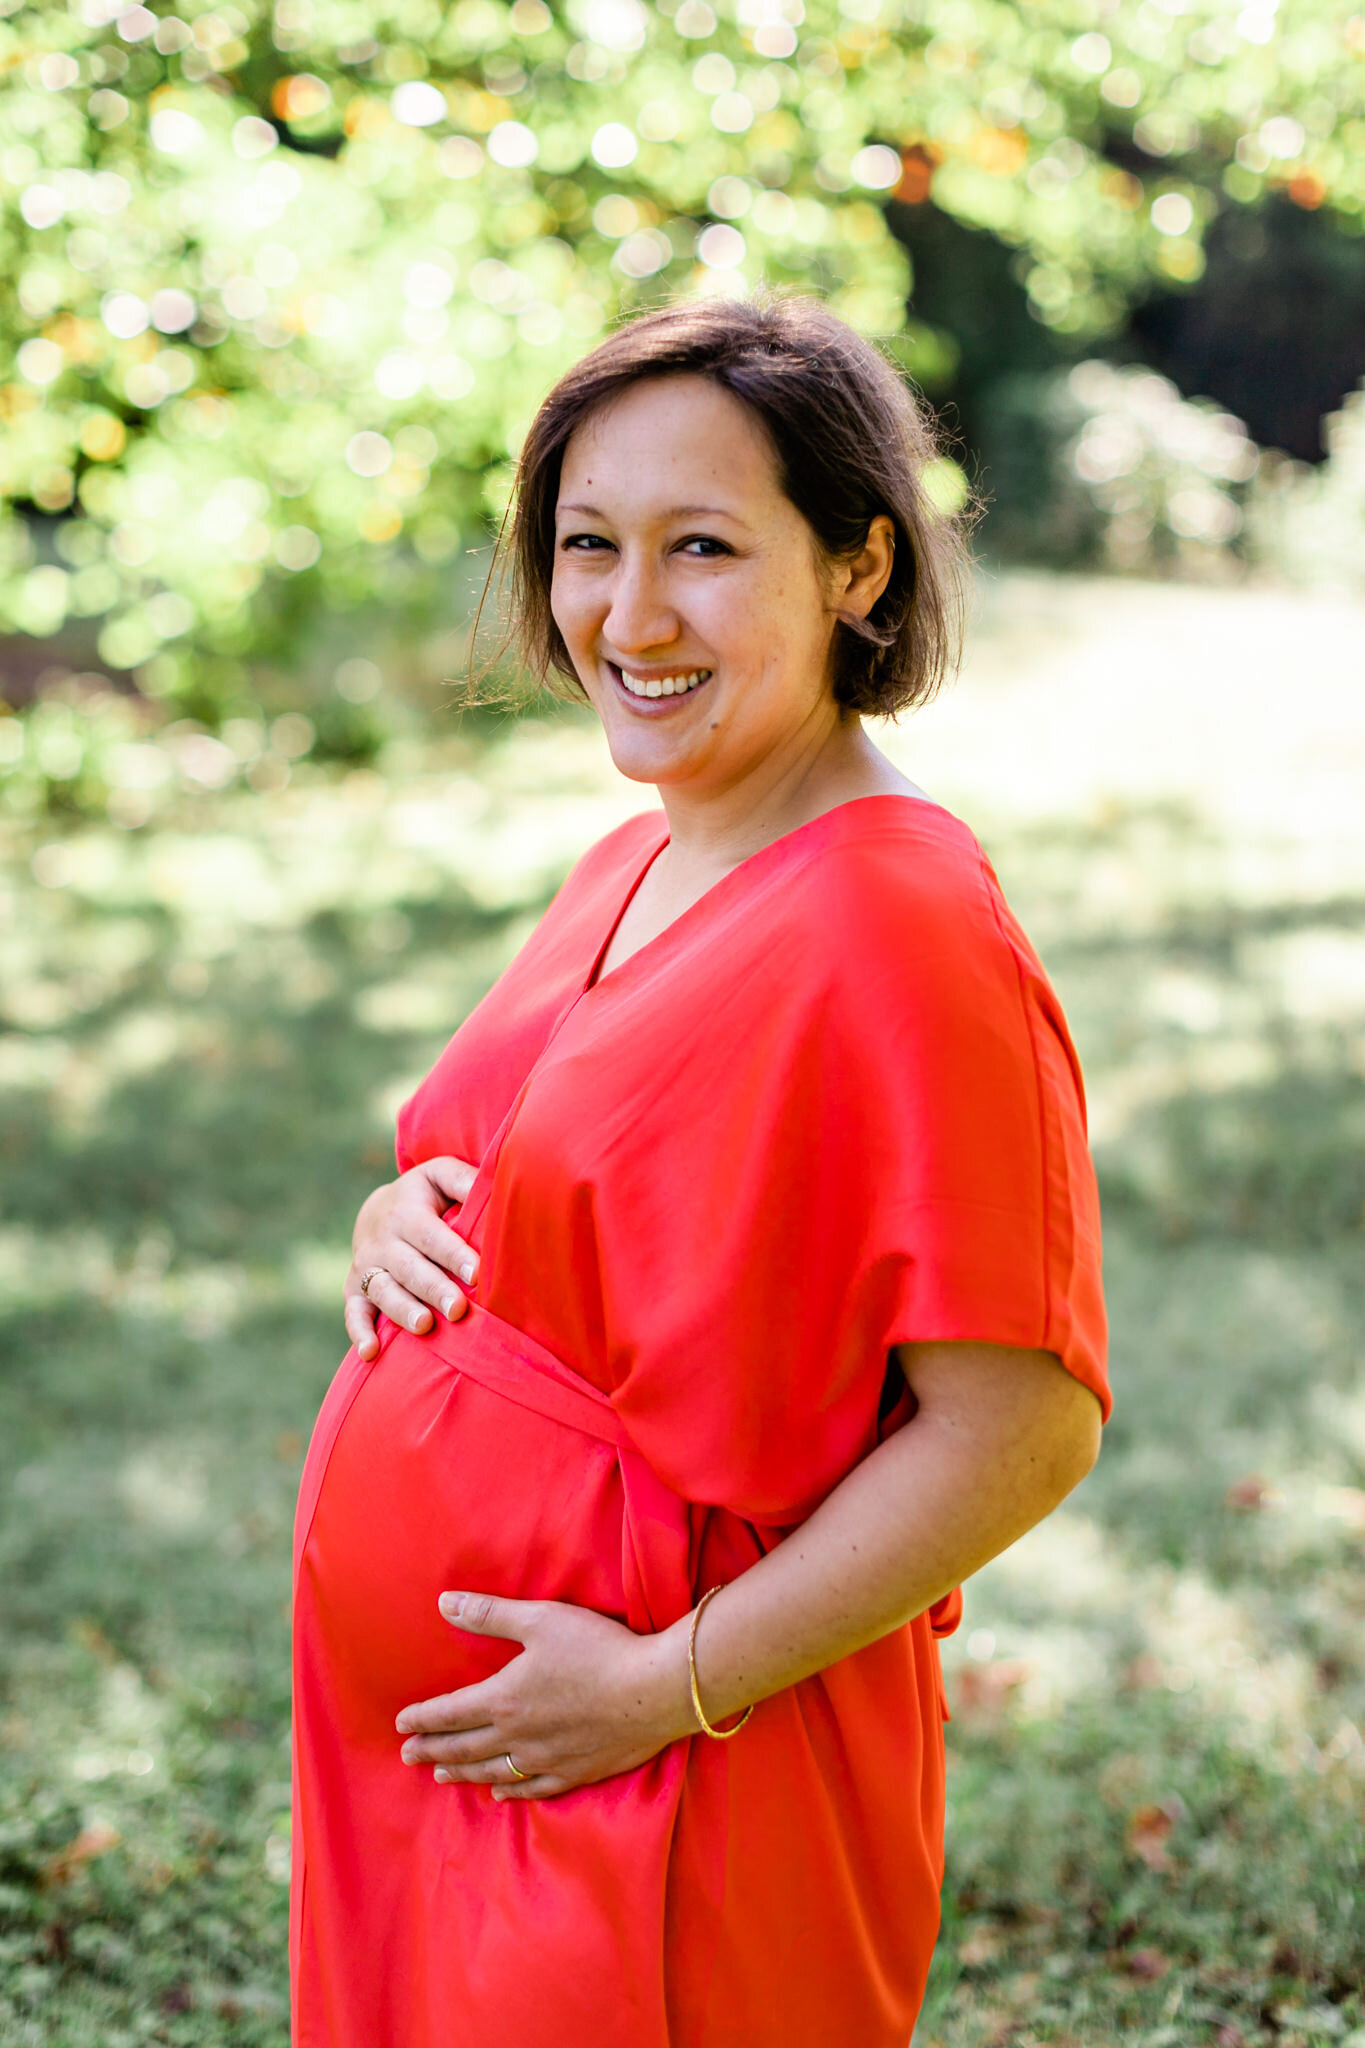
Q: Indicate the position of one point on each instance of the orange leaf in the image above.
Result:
(918, 164)
(89, 1843)
(986, 1688)
(1148, 1828)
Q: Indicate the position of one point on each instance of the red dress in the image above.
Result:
(831, 1109)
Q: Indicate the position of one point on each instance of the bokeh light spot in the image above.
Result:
(721, 247)
(368, 454)
(614, 146)
(418, 104)
(1172, 214)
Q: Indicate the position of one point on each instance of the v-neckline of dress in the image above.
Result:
(476, 1201)
(725, 884)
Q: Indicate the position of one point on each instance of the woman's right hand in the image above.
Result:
(399, 1236)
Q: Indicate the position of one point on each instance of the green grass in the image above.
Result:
(1158, 1773)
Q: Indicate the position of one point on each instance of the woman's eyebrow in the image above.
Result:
(673, 512)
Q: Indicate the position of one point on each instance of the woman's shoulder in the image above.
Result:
(896, 865)
(911, 914)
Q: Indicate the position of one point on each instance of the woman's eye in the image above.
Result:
(705, 544)
(584, 543)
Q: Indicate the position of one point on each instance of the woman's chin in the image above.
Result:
(642, 755)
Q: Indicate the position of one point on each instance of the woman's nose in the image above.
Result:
(640, 616)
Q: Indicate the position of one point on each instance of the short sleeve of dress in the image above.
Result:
(960, 1076)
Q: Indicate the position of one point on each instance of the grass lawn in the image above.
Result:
(1157, 1788)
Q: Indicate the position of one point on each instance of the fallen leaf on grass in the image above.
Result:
(1148, 1828)
(1230, 2037)
(94, 1841)
(1246, 1495)
(979, 1947)
(986, 1688)
(1146, 1964)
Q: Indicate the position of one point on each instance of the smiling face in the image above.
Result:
(689, 590)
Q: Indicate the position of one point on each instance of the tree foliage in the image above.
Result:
(280, 289)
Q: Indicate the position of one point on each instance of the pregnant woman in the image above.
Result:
(738, 1296)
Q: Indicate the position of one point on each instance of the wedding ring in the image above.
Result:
(373, 1274)
(507, 1759)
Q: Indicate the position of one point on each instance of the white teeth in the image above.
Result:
(663, 686)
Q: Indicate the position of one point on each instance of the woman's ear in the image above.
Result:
(864, 576)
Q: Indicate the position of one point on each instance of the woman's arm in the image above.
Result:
(1000, 1436)
(999, 1439)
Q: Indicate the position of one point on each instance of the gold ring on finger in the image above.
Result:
(507, 1759)
(373, 1274)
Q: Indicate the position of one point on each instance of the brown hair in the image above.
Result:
(851, 440)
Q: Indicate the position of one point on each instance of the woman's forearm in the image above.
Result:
(1000, 1437)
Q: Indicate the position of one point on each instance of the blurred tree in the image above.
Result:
(280, 288)
(1275, 328)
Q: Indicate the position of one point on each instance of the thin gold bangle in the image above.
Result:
(717, 1734)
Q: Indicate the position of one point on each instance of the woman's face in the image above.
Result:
(688, 588)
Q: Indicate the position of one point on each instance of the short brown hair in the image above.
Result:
(851, 441)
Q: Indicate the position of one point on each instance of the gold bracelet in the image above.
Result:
(718, 1734)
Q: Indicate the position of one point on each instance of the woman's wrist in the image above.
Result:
(661, 1682)
(656, 1687)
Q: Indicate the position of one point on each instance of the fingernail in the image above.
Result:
(451, 1605)
(448, 1307)
(409, 1752)
(442, 1777)
(467, 1271)
(499, 1796)
(403, 1725)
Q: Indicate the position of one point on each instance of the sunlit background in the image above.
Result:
(279, 292)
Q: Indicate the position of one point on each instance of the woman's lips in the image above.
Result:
(658, 694)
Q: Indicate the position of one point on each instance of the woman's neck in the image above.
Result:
(713, 830)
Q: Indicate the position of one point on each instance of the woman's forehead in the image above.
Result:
(683, 441)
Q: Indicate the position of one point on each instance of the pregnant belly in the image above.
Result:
(422, 1479)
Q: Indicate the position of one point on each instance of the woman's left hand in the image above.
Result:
(585, 1700)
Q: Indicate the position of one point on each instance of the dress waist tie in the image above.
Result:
(656, 1532)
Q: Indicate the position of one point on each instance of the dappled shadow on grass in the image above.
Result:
(1132, 1876)
(182, 1154)
(1157, 1758)
(253, 1111)
(1282, 1161)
